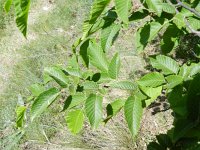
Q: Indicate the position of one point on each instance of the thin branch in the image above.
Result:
(190, 28)
(168, 1)
(179, 3)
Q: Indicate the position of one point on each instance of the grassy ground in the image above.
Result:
(53, 27)
(22, 61)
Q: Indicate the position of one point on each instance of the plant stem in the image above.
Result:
(179, 3)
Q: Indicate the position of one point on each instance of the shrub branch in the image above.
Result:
(179, 3)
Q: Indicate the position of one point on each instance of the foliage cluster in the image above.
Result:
(91, 72)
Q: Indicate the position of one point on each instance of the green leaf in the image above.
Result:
(138, 15)
(152, 93)
(113, 108)
(108, 35)
(185, 71)
(21, 13)
(164, 140)
(94, 112)
(58, 75)
(140, 95)
(76, 44)
(168, 8)
(133, 113)
(97, 57)
(75, 120)
(177, 101)
(86, 29)
(44, 100)
(173, 81)
(90, 85)
(46, 78)
(114, 67)
(155, 6)
(170, 39)
(122, 9)
(179, 20)
(20, 111)
(193, 97)
(182, 126)
(74, 100)
(104, 78)
(194, 69)
(110, 16)
(193, 133)
(84, 53)
(186, 13)
(96, 77)
(93, 108)
(7, 5)
(74, 87)
(153, 79)
(125, 85)
(166, 64)
(73, 72)
(73, 63)
(90, 28)
(146, 34)
(36, 89)
(99, 24)
(87, 74)
(154, 146)
(97, 8)
(197, 8)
